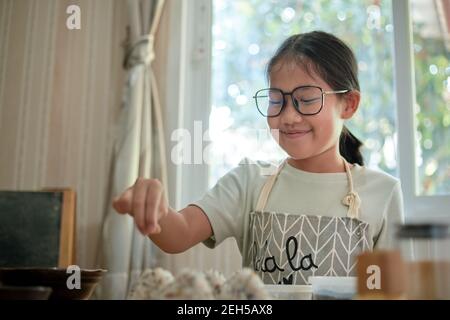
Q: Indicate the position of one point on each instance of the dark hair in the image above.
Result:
(335, 63)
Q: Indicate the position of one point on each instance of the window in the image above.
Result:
(431, 36)
(417, 206)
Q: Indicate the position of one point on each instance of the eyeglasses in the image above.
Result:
(307, 100)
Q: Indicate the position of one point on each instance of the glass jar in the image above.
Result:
(426, 251)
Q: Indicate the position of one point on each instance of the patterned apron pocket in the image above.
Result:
(287, 248)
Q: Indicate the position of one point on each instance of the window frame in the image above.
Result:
(196, 40)
(188, 100)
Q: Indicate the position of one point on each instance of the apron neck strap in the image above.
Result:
(351, 200)
(268, 185)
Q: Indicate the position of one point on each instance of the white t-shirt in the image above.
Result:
(229, 203)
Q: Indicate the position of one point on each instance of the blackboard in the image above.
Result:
(30, 226)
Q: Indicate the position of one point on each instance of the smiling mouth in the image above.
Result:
(295, 134)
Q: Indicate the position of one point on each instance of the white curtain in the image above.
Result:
(139, 152)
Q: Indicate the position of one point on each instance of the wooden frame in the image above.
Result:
(60, 205)
(67, 238)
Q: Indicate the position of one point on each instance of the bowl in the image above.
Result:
(289, 292)
(333, 288)
(24, 293)
(57, 279)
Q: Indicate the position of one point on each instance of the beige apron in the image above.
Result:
(288, 248)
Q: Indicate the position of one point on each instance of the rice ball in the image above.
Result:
(188, 285)
(150, 284)
(245, 285)
(216, 281)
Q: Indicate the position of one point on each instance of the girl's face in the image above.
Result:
(301, 136)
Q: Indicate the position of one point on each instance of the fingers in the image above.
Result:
(146, 202)
(139, 203)
(123, 203)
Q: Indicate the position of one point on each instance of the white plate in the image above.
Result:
(333, 287)
(289, 292)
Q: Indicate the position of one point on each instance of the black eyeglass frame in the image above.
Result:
(294, 102)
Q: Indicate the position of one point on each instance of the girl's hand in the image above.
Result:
(146, 202)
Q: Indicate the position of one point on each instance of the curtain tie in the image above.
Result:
(142, 51)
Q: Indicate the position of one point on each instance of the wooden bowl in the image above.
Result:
(55, 278)
(24, 293)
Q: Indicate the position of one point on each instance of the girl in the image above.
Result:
(319, 209)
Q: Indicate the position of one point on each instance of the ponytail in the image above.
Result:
(349, 147)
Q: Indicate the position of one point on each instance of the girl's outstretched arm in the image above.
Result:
(171, 231)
